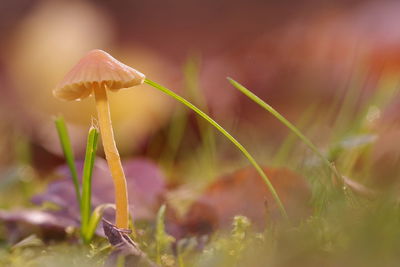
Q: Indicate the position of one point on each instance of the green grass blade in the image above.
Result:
(227, 135)
(90, 156)
(94, 221)
(288, 124)
(163, 240)
(68, 154)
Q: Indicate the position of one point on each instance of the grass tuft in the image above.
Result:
(287, 123)
(91, 147)
(68, 154)
(227, 135)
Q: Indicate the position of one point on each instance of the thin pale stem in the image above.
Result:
(227, 135)
(112, 156)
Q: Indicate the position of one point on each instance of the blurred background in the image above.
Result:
(317, 62)
(330, 67)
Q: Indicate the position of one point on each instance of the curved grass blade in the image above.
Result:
(68, 154)
(90, 156)
(227, 135)
(288, 124)
(163, 240)
(94, 220)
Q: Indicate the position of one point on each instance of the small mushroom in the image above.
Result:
(96, 73)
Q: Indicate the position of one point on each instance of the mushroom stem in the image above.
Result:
(112, 156)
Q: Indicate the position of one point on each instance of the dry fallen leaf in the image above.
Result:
(48, 225)
(145, 181)
(124, 246)
(244, 193)
(146, 187)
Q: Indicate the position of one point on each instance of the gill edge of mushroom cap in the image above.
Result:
(96, 68)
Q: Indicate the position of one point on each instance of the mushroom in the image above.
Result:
(96, 73)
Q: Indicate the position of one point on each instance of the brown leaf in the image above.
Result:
(124, 246)
(146, 187)
(47, 224)
(145, 181)
(245, 193)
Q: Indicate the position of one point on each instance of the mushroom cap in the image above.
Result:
(96, 68)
